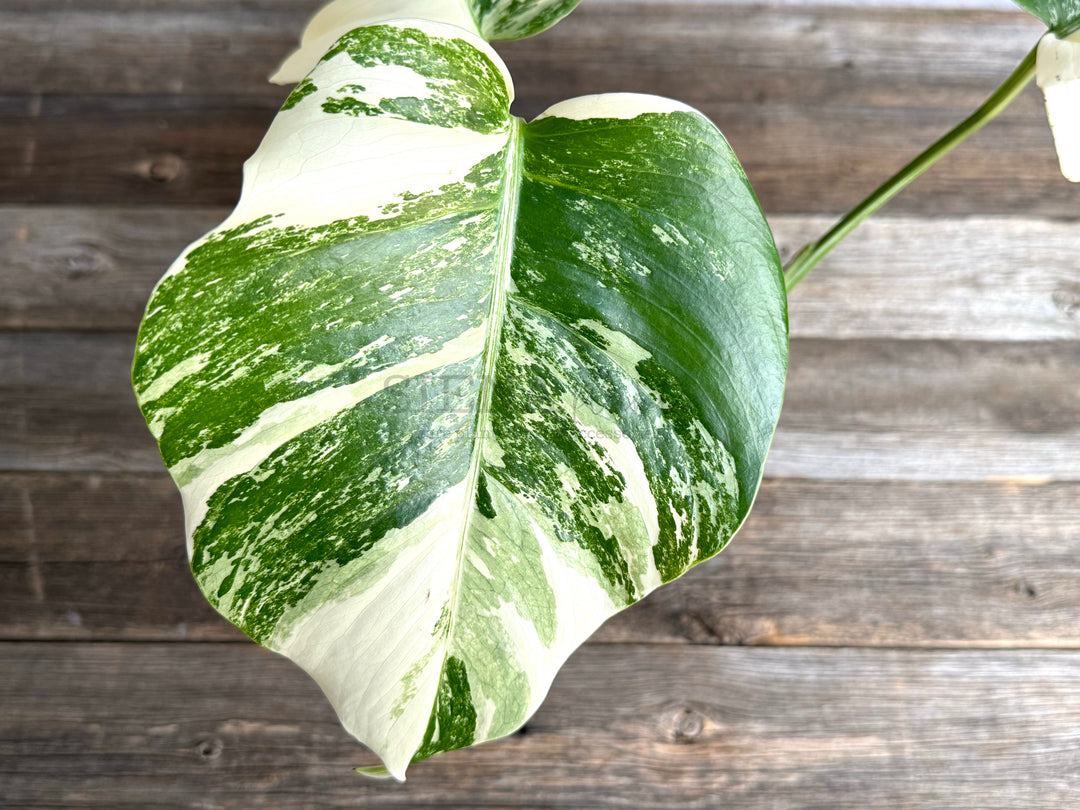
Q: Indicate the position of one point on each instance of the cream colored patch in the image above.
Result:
(614, 105)
(1058, 74)
(621, 348)
(367, 633)
(626, 459)
(178, 373)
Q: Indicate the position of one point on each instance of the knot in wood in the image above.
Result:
(687, 725)
(209, 748)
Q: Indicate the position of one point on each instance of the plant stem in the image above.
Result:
(807, 258)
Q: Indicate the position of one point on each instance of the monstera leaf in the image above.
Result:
(449, 389)
(494, 20)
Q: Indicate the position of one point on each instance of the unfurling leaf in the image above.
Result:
(449, 389)
(493, 20)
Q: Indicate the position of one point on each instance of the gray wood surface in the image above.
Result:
(897, 625)
(136, 726)
(870, 409)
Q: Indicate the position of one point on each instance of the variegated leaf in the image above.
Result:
(448, 389)
(494, 20)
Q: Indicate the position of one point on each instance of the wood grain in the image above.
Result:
(930, 410)
(150, 151)
(101, 557)
(230, 726)
(176, 108)
(854, 409)
(968, 278)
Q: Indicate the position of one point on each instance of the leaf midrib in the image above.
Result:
(506, 232)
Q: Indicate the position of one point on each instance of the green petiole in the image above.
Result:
(806, 259)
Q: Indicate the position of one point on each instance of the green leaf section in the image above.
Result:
(449, 389)
(1061, 16)
(501, 20)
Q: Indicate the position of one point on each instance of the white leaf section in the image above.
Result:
(375, 644)
(341, 16)
(581, 602)
(614, 105)
(1058, 74)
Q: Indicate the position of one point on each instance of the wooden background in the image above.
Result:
(898, 625)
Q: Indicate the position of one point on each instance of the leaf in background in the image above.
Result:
(1061, 16)
(494, 20)
(447, 389)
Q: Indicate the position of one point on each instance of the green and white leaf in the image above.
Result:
(447, 389)
(1058, 74)
(494, 20)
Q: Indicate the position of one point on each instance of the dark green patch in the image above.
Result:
(712, 312)
(453, 720)
(483, 498)
(299, 93)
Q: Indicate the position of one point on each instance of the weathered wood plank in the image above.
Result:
(97, 557)
(969, 278)
(140, 47)
(817, 126)
(973, 279)
(890, 410)
(66, 402)
(143, 150)
(845, 55)
(228, 726)
(101, 557)
(855, 410)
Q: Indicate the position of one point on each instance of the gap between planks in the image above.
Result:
(964, 278)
